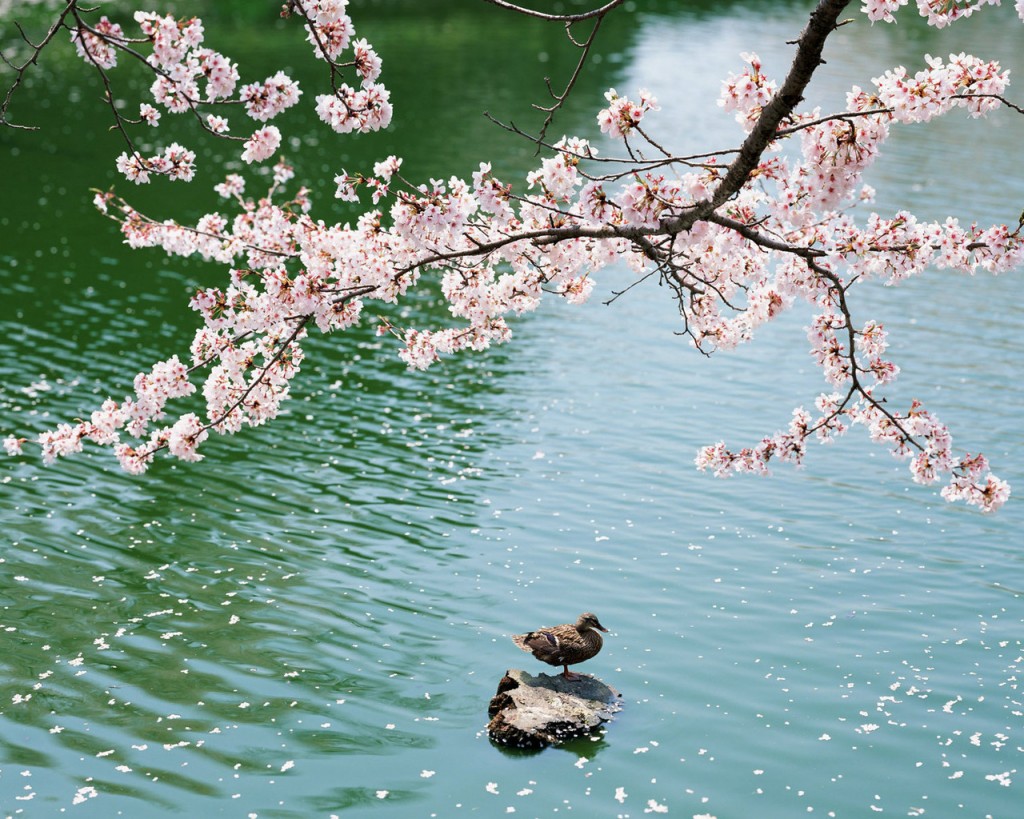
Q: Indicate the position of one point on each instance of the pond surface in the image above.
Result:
(311, 622)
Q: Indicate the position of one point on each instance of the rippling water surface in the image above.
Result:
(312, 621)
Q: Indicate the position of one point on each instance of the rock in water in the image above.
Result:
(536, 711)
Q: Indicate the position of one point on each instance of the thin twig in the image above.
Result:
(565, 18)
(20, 71)
(561, 98)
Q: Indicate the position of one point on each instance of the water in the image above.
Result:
(312, 621)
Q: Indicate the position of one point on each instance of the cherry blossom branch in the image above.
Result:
(616, 294)
(842, 115)
(178, 61)
(898, 426)
(121, 44)
(999, 97)
(633, 165)
(748, 232)
(119, 119)
(320, 44)
(300, 325)
(824, 20)
(140, 223)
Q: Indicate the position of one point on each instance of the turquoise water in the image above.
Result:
(312, 621)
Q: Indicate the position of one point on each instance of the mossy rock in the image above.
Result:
(535, 711)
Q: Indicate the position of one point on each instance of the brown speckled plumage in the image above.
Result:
(564, 645)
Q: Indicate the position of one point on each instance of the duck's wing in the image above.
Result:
(548, 644)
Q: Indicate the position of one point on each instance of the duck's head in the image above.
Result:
(589, 620)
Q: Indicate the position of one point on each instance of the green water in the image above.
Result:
(312, 621)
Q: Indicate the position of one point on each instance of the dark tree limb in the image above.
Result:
(824, 20)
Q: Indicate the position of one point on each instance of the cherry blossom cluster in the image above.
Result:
(188, 77)
(265, 100)
(347, 109)
(969, 481)
(166, 381)
(262, 145)
(939, 13)
(882, 9)
(835, 154)
(748, 92)
(731, 262)
(330, 29)
(95, 46)
(359, 110)
(807, 200)
(623, 115)
(176, 162)
(965, 81)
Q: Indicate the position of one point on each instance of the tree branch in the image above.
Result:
(824, 20)
(19, 71)
(565, 18)
(561, 98)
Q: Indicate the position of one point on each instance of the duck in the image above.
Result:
(564, 645)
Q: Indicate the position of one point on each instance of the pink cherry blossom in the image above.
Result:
(60, 442)
(134, 167)
(233, 185)
(882, 9)
(221, 74)
(217, 124)
(12, 445)
(133, 461)
(367, 63)
(748, 92)
(180, 161)
(349, 110)
(98, 46)
(964, 81)
(346, 187)
(262, 144)
(149, 114)
(171, 40)
(622, 115)
(387, 168)
(269, 98)
(176, 162)
(331, 31)
(493, 196)
(185, 436)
